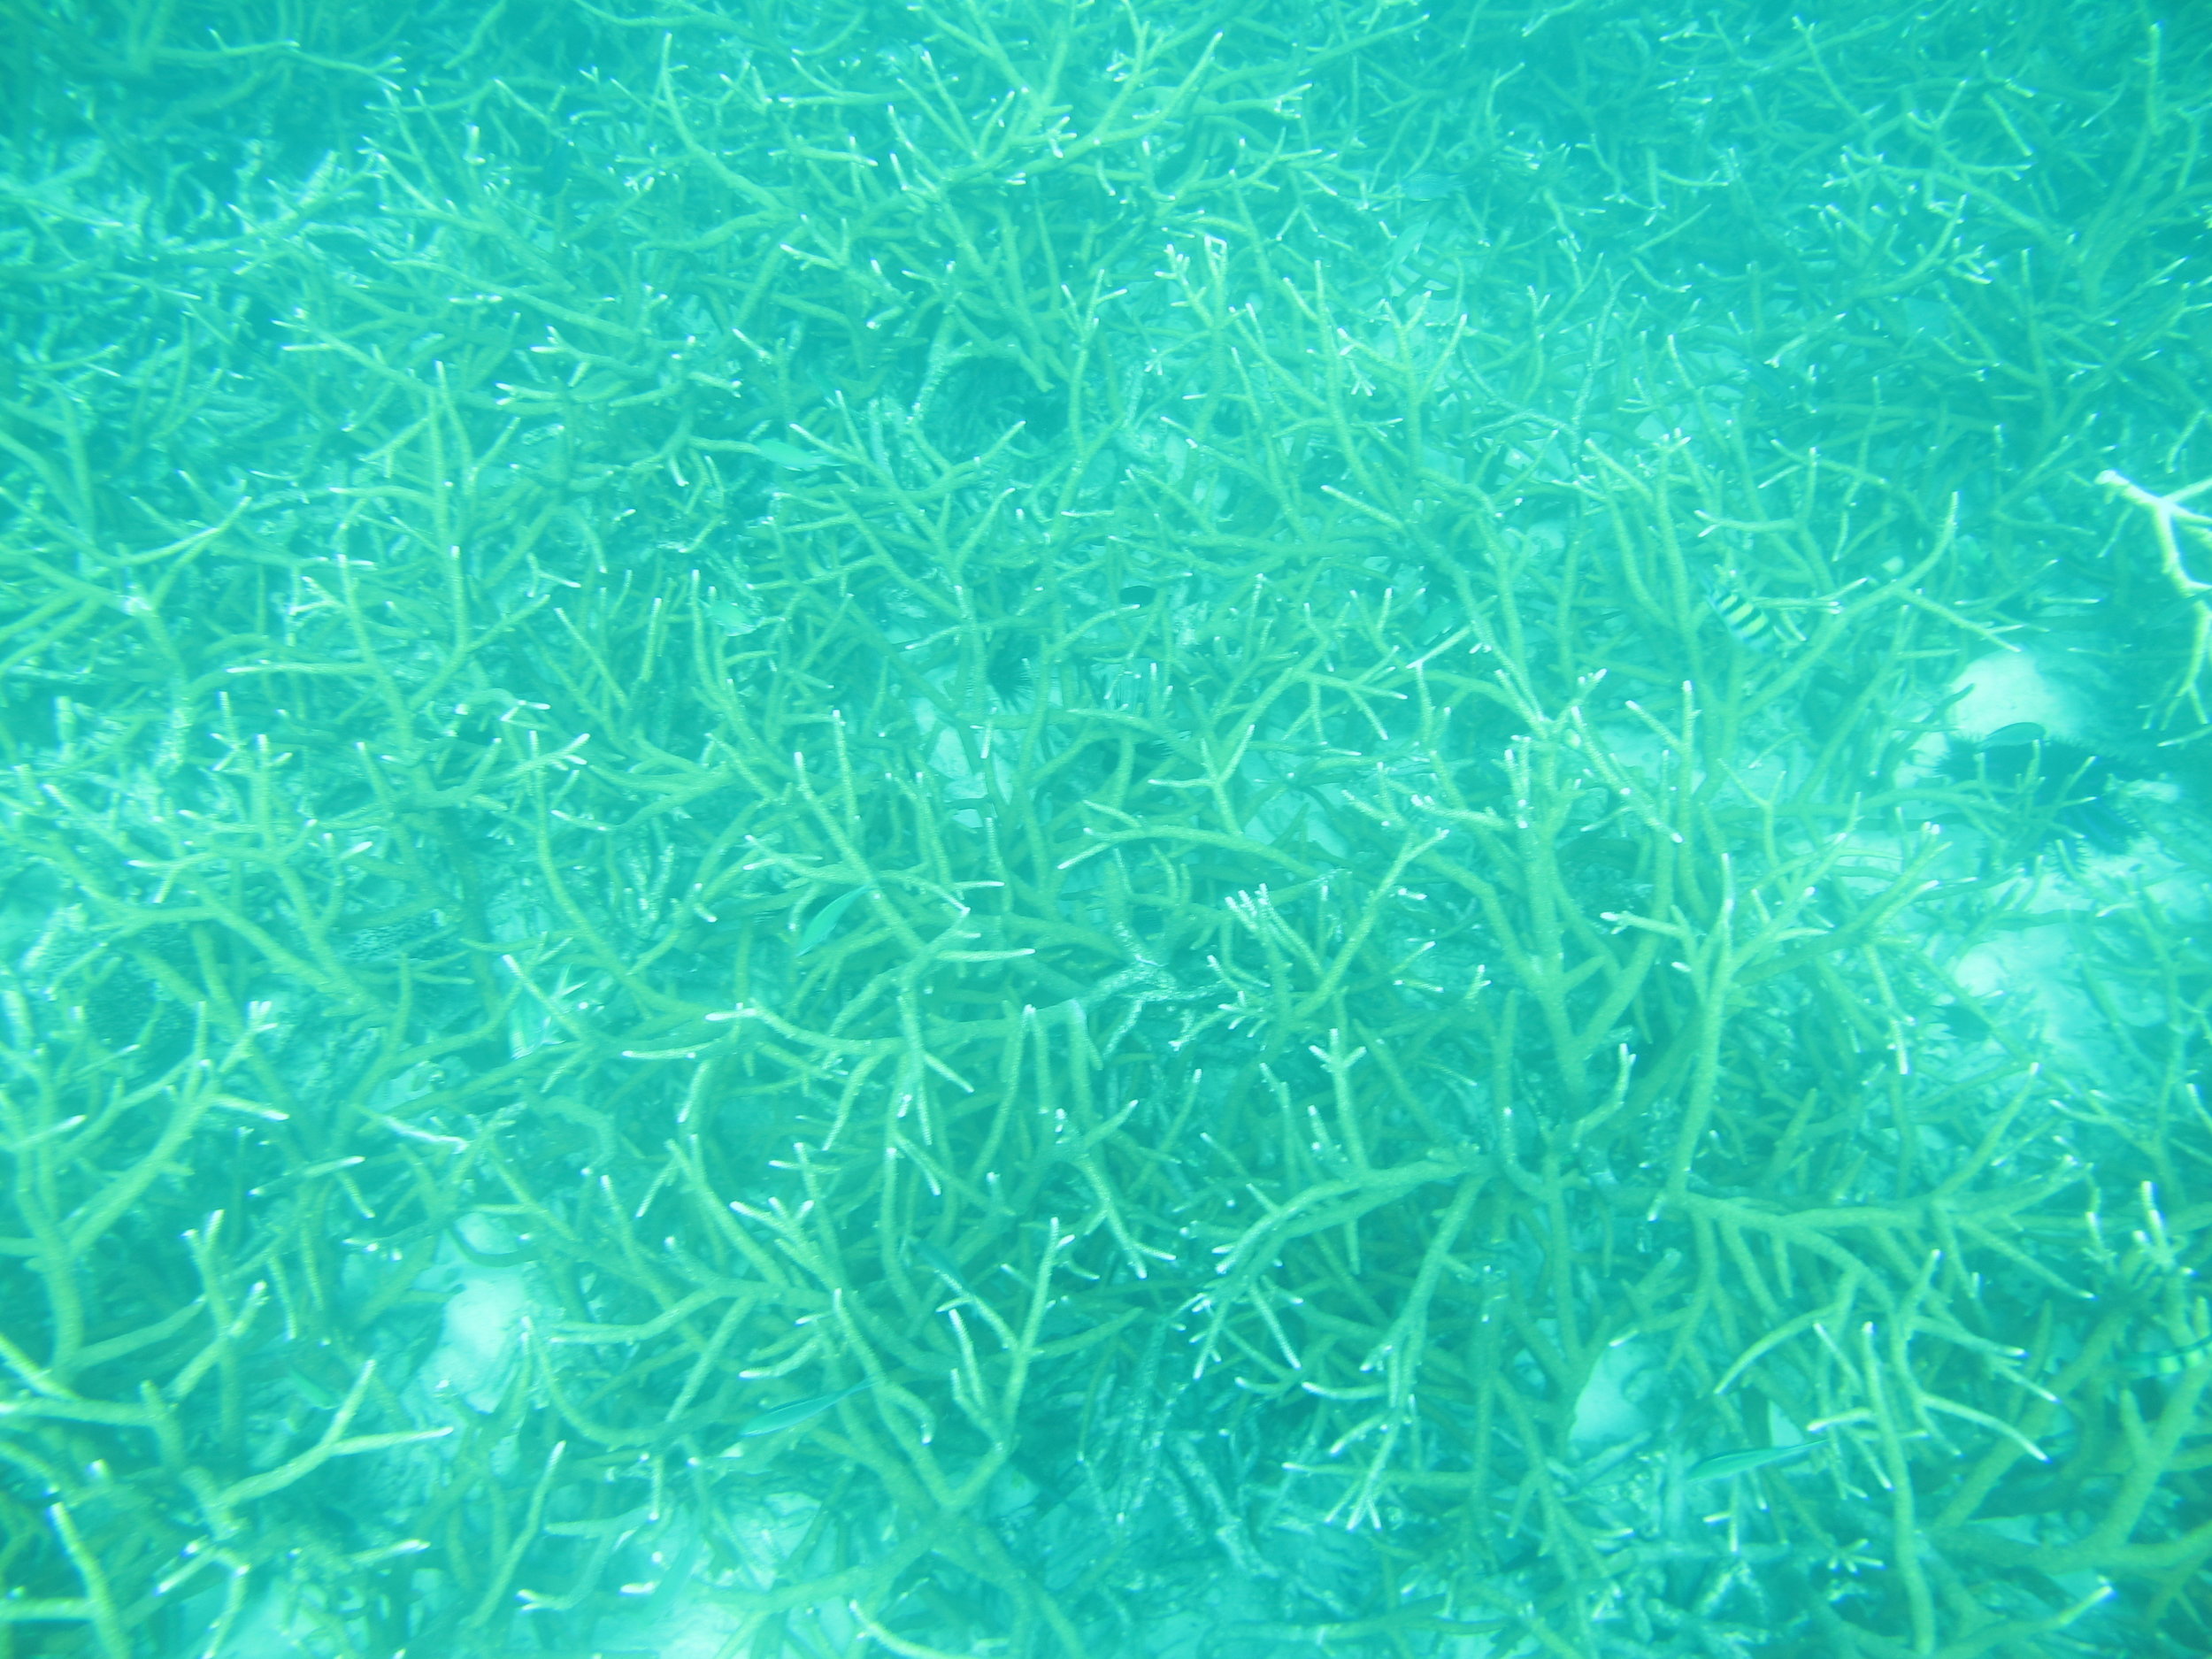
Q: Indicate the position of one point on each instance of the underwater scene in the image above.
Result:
(1105, 829)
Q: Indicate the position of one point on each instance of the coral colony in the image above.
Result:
(1073, 830)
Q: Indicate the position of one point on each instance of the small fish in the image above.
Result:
(1782, 391)
(778, 453)
(1750, 1458)
(735, 617)
(321, 1398)
(2076, 790)
(1431, 186)
(798, 1411)
(941, 1264)
(2172, 1364)
(554, 170)
(1615, 852)
(1746, 623)
(826, 919)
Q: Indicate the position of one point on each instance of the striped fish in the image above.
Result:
(1748, 626)
(2175, 1361)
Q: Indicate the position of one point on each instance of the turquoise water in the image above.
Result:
(1151, 830)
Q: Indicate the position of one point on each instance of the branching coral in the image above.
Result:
(1119, 802)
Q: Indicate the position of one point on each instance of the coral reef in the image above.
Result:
(1028, 829)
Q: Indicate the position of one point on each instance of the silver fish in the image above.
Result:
(798, 1411)
(824, 919)
(1743, 1462)
(942, 1264)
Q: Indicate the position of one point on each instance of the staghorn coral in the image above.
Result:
(925, 829)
